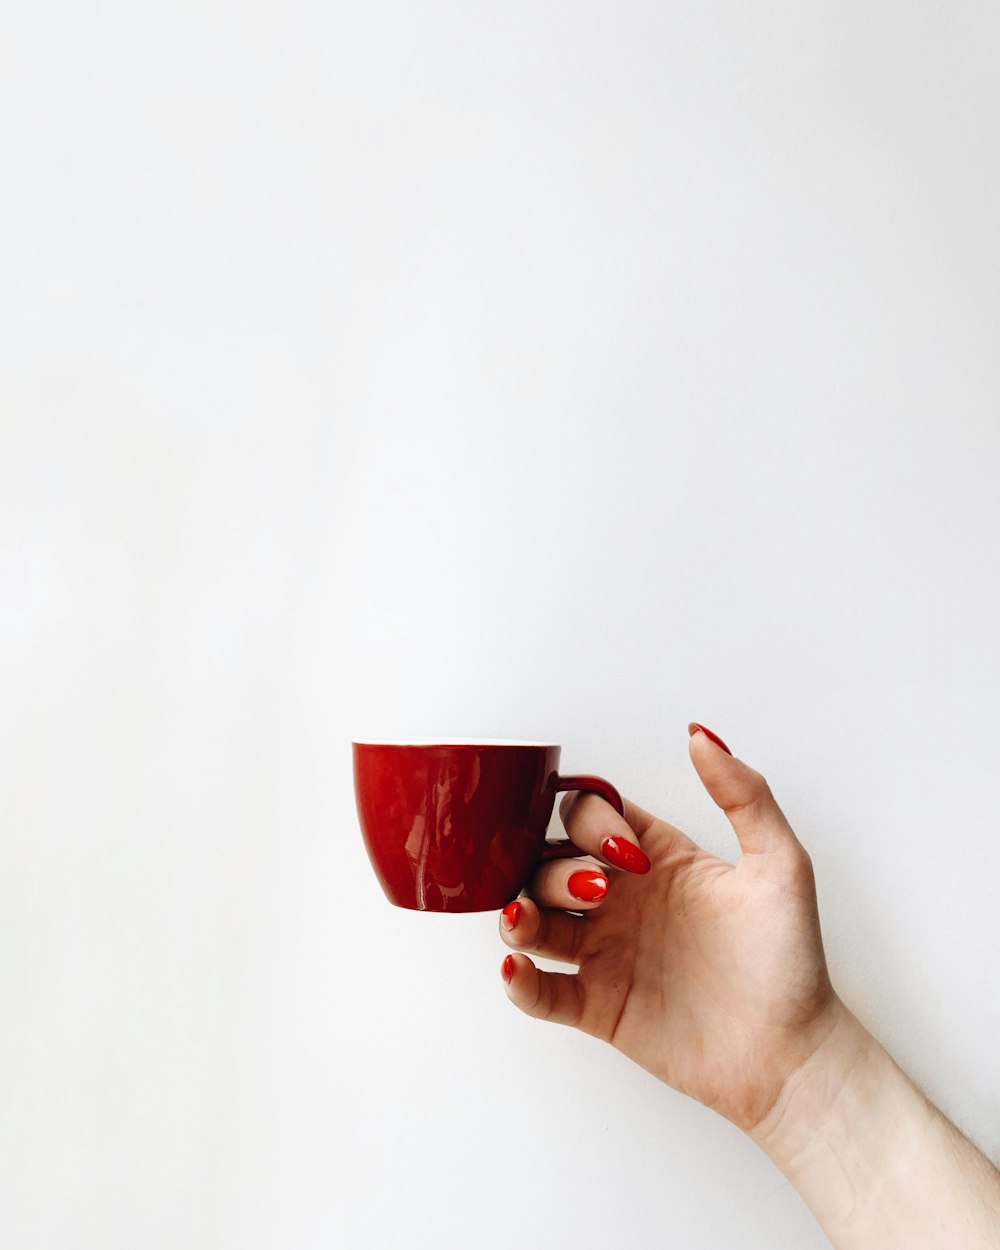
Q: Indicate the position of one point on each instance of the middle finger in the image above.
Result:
(598, 830)
(577, 885)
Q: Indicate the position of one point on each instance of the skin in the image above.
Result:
(712, 977)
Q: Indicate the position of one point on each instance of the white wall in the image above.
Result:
(528, 370)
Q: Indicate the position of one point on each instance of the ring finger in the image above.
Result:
(551, 933)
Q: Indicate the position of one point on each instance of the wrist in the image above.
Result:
(846, 1122)
(876, 1162)
(836, 1071)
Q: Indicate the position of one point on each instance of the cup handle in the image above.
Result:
(562, 848)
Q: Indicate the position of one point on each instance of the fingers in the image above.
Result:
(743, 794)
(591, 823)
(596, 828)
(555, 996)
(552, 934)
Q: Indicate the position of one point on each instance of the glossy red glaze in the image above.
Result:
(510, 916)
(625, 854)
(588, 887)
(693, 729)
(459, 828)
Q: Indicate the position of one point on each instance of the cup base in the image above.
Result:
(458, 908)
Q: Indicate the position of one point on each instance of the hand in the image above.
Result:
(711, 976)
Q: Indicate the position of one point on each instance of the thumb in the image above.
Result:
(743, 794)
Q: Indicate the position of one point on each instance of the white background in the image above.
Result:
(560, 371)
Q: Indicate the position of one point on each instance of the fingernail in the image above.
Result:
(588, 887)
(625, 854)
(694, 727)
(507, 967)
(509, 915)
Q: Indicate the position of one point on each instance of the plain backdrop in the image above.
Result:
(551, 371)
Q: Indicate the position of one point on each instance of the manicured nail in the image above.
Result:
(694, 727)
(625, 854)
(588, 887)
(509, 915)
(507, 967)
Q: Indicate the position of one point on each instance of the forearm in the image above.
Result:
(877, 1163)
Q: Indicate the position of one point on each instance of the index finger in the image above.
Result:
(596, 828)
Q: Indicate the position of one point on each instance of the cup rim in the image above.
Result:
(448, 742)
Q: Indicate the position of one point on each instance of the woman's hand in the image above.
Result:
(712, 977)
(709, 975)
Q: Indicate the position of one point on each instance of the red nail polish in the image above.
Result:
(693, 729)
(509, 915)
(507, 967)
(625, 854)
(588, 887)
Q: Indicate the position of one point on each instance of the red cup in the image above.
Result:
(460, 826)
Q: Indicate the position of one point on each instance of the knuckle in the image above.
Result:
(800, 866)
(541, 1003)
(577, 801)
(566, 804)
(757, 794)
(759, 784)
(539, 932)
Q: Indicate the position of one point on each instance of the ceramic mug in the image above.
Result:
(460, 826)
